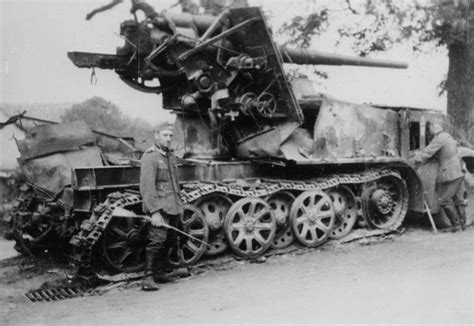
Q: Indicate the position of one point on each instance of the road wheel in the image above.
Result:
(250, 227)
(312, 217)
(214, 208)
(280, 203)
(345, 206)
(185, 251)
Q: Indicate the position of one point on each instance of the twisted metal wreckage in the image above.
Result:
(264, 161)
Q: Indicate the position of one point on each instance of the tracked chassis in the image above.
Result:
(249, 216)
(266, 161)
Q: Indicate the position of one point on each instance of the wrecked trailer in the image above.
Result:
(44, 216)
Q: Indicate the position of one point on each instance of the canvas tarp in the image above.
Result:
(53, 172)
(54, 138)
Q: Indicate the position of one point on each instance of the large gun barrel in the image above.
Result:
(203, 25)
(298, 56)
(312, 57)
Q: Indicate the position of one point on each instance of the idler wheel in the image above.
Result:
(385, 204)
(250, 227)
(214, 208)
(123, 244)
(345, 206)
(185, 251)
(280, 203)
(312, 217)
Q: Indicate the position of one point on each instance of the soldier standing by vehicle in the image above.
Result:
(159, 188)
(443, 148)
(460, 201)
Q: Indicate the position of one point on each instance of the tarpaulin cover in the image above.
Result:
(53, 172)
(53, 138)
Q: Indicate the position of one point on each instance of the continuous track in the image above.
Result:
(375, 187)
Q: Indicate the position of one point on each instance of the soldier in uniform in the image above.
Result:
(443, 148)
(460, 201)
(159, 188)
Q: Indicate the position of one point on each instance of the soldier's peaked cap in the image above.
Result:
(164, 126)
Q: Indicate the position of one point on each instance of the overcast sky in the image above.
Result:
(36, 36)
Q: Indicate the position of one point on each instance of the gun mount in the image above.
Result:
(226, 69)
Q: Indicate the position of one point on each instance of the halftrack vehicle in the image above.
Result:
(263, 161)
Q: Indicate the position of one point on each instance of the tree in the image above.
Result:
(376, 25)
(102, 115)
(99, 114)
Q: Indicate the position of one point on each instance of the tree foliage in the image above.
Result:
(302, 29)
(387, 22)
(376, 25)
(102, 115)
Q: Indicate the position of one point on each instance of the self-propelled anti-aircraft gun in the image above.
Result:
(264, 161)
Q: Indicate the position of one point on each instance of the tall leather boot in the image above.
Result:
(160, 274)
(461, 209)
(148, 284)
(452, 214)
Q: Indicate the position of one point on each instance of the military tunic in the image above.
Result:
(443, 148)
(159, 187)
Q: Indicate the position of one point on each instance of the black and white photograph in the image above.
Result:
(236, 162)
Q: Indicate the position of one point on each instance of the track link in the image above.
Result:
(92, 229)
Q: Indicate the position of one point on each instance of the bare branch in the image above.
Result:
(102, 8)
(348, 2)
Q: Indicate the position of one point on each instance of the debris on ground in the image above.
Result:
(53, 281)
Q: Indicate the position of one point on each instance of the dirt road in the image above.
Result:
(415, 277)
